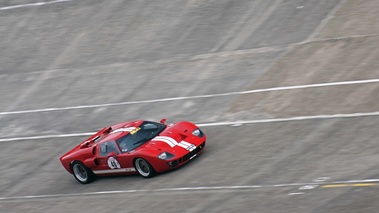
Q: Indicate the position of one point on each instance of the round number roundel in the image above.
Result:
(113, 163)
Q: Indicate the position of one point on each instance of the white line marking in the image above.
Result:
(308, 187)
(196, 97)
(321, 179)
(228, 123)
(325, 21)
(356, 181)
(182, 189)
(33, 4)
(300, 118)
(48, 136)
(296, 193)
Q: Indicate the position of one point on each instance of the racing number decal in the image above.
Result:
(113, 163)
(134, 131)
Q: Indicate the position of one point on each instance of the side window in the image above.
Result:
(108, 147)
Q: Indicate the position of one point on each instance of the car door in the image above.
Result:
(111, 160)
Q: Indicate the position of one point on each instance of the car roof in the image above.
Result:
(114, 135)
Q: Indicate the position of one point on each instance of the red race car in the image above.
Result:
(143, 147)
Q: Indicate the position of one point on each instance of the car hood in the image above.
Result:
(176, 138)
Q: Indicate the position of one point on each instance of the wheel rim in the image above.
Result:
(142, 167)
(80, 173)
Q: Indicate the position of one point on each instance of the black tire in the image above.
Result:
(81, 173)
(144, 168)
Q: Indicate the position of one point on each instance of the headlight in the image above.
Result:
(165, 156)
(197, 132)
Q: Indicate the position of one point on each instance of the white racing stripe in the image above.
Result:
(172, 142)
(183, 145)
(188, 146)
(341, 83)
(110, 171)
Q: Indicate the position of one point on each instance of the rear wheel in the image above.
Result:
(81, 173)
(144, 168)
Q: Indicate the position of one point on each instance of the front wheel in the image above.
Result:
(81, 173)
(144, 168)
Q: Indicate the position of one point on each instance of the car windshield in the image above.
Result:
(145, 132)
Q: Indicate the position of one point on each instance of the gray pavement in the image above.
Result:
(62, 62)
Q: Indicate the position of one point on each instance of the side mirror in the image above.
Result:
(163, 120)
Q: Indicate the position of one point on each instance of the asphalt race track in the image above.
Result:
(287, 92)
